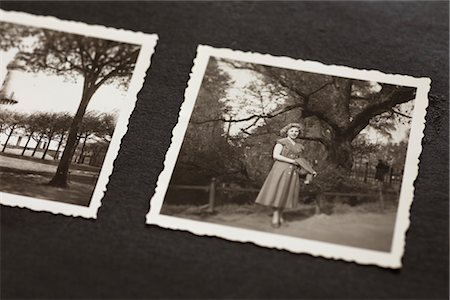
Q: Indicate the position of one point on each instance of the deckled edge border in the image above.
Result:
(296, 245)
(148, 43)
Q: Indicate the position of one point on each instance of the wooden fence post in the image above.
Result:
(212, 195)
(318, 203)
(390, 175)
(380, 196)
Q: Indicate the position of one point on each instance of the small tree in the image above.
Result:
(58, 123)
(41, 121)
(30, 126)
(97, 151)
(100, 139)
(4, 115)
(63, 124)
(107, 125)
(89, 125)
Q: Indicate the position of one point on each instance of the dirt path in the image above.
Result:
(370, 230)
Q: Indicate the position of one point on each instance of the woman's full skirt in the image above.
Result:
(281, 188)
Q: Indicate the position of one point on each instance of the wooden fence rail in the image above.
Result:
(212, 187)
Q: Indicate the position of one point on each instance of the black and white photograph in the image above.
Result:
(67, 91)
(295, 155)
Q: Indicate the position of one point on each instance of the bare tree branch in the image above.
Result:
(401, 114)
(260, 116)
(321, 88)
(392, 96)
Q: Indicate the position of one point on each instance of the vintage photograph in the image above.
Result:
(294, 155)
(67, 91)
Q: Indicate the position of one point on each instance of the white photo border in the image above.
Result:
(390, 259)
(147, 42)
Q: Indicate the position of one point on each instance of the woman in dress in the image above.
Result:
(282, 186)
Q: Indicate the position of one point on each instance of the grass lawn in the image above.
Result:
(28, 152)
(9, 160)
(34, 185)
(30, 177)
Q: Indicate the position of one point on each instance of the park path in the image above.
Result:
(370, 230)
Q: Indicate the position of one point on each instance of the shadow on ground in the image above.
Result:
(29, 177)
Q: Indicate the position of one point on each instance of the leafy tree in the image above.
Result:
(4, 115)
(106, 127)
(13, 35)
(93, 61)
(207, 151)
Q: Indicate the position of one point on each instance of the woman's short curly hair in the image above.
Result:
(285, 129)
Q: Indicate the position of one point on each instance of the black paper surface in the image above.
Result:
(118, 256)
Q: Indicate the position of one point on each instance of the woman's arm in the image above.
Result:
(277, 155)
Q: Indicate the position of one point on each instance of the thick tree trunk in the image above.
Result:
(37, 145)
(7, 139)
(48, 145)
(340, 153)
(59, 147)
(80, 158)
(26, 144)
(60, 177)
(77, 143)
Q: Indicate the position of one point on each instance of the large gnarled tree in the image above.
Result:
(340, 107)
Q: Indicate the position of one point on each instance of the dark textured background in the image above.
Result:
(118, 256)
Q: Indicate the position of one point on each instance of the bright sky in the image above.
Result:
(243, 105)
(42, 92)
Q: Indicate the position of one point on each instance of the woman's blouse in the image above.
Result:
(290, 150)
